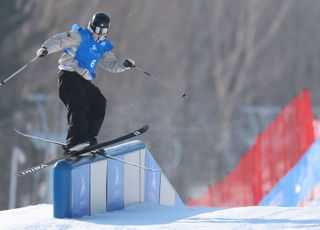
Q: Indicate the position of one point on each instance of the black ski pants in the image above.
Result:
(85, 105)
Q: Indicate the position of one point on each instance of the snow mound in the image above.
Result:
(147, 216)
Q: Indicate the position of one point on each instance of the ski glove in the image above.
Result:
(129, 63)
(43, 51)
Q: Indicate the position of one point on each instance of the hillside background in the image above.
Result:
(239, 61)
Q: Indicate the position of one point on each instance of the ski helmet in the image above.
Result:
(99, 23)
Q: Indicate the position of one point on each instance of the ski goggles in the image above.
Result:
(100, 30)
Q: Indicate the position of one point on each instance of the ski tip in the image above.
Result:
(141, 130)
(145, 128)
(17, 131)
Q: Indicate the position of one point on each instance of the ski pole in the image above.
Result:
(19, 70)
(184, 95)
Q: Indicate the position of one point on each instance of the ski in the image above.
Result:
(63, 145)
(92, 150)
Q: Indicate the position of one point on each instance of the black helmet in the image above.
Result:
(100, 23)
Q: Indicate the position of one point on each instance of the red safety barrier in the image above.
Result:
(274, 153)
(316, 126)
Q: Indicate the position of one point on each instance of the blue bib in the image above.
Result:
(90, 51)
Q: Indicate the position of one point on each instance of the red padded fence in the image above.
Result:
(275, 151)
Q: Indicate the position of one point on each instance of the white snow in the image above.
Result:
(145, 216)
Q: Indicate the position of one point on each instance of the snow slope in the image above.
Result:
(144, 216)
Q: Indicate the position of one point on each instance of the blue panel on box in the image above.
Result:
(62, 190)
(115, 193)
(81, 191)
(152, 181)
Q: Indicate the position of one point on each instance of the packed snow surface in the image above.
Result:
(145, 216)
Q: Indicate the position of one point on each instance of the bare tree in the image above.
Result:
(240, 41)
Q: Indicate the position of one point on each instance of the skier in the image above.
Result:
(84, 49)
